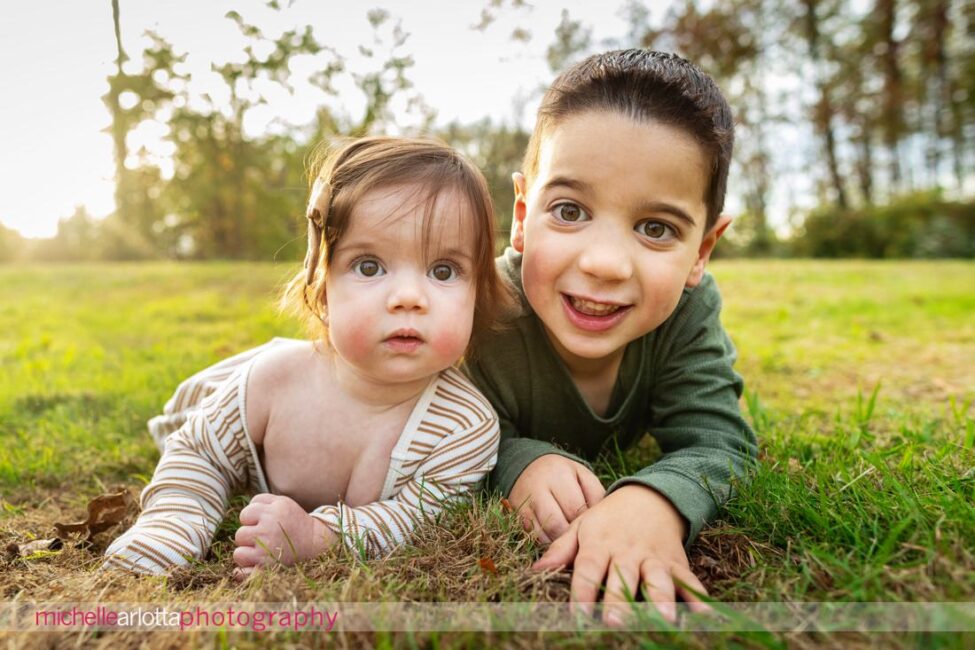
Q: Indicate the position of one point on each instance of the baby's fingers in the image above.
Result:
(249, 556)
(244, 574)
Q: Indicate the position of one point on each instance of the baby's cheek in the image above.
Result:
(450, 343)
(352, 342)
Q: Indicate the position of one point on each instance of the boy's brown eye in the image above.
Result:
(569, 212)
(655, 230)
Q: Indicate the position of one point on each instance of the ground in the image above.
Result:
(860, 379)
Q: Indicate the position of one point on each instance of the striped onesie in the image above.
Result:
(448, 446)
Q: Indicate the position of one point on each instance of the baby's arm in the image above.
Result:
(183, 504)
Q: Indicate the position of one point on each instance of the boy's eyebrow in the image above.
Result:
(673, 210)
(565, 181)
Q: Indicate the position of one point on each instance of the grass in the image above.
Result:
(860, 379)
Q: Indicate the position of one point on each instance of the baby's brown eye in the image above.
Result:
(569, 212)
(368, 268)
(442, 272)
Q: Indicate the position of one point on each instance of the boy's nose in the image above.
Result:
(407, 294)
(606, 259)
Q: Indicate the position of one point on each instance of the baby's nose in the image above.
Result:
(407, 293)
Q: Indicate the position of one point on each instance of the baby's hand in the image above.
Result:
(276, 529)
(551, 492)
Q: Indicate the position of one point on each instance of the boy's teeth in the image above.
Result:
(592, 308)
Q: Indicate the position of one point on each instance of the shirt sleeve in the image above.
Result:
(451, 470)
(695, 417)
(204, 461)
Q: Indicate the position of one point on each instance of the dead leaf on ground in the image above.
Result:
(488, 566)
(29, 548)
(104, 511)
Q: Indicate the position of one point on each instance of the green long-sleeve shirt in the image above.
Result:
(676, 382)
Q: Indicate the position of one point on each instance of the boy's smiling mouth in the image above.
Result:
(593, 315)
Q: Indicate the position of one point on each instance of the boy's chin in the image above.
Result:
(574, 347)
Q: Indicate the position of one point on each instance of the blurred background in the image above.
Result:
(182, 130)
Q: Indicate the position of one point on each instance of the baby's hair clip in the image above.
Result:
(317, 209)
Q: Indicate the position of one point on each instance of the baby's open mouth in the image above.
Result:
(404, 340)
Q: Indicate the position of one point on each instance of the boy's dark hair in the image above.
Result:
(645, 85)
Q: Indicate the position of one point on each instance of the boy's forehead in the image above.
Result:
(633, 160)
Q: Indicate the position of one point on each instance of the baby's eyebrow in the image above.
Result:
(454, 254)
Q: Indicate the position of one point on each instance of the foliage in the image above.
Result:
(11, 244)
(919, 225)
(885, 87)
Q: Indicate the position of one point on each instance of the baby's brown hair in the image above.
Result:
(342, 176)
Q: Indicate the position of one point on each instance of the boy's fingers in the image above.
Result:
(263, 497)
(659, 587)
(592, 487)
(561, 553)
(687, 583)
(571, 502)
(621, 586)
(587, 577)
(549, 515)
(248, 556)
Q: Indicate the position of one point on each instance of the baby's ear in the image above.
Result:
(710, 238)
(518, 212)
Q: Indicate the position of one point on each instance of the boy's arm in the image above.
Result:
(188, 495)
(452, 469)
(695, 416)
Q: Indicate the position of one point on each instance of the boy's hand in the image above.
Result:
(632, 536)
(276, 529)
(552, 492)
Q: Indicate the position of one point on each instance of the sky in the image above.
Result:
(55, 152)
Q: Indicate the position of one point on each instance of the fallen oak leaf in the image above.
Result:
(29, 548)
(104, 511)
(488, 566)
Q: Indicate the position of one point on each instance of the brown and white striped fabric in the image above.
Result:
(448, 446)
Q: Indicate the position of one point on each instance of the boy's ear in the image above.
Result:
(710, 238)
(519, 210)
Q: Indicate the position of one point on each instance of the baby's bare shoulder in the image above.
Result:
(277, 372)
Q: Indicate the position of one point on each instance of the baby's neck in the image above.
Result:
(369, 391)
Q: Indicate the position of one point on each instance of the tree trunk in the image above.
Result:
(823, 112)
(119, 125)
(893, 117)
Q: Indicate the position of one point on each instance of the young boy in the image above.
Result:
(615, 216)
